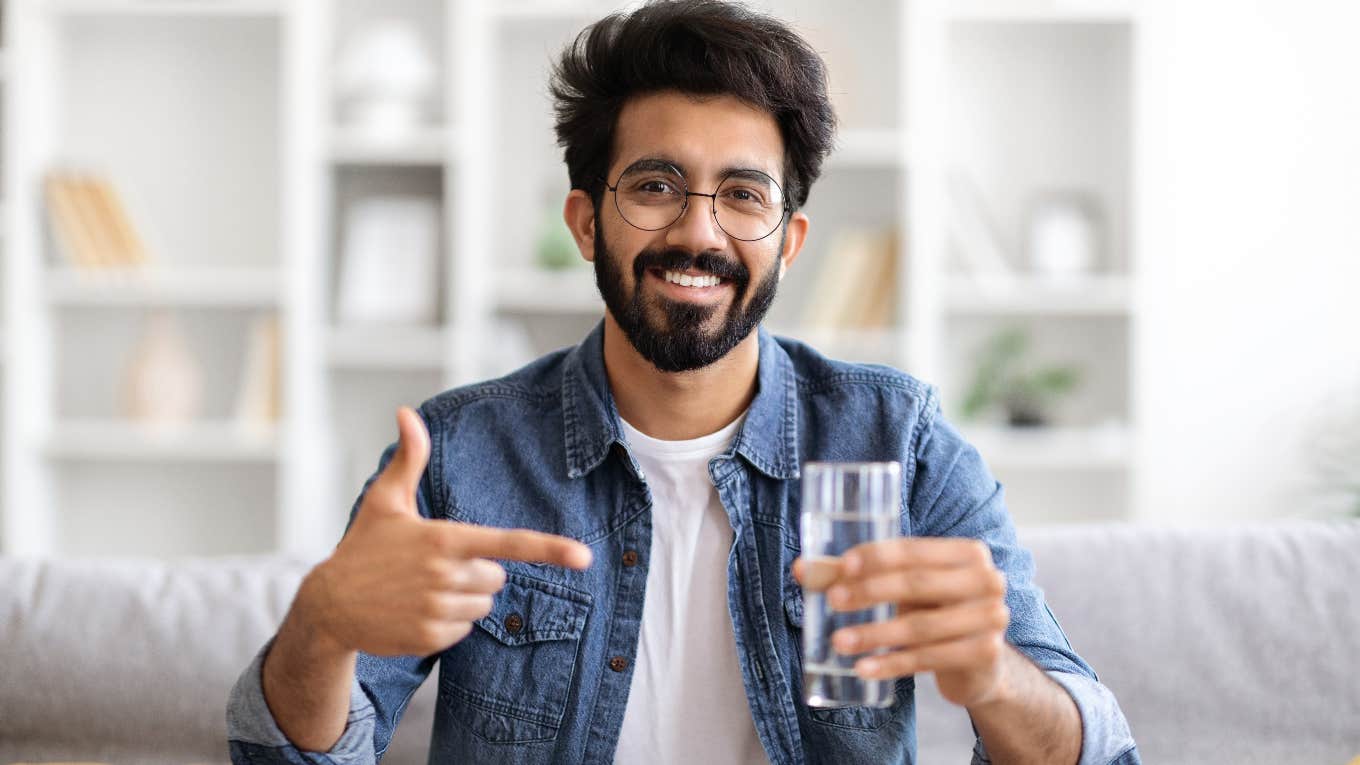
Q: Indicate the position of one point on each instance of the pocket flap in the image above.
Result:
(793, 609)
(529, 610)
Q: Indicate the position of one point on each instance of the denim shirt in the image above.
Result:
(542, 448)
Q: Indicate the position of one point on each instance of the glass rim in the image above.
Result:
(827, 465)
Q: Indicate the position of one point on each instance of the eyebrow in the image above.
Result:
(659, 162)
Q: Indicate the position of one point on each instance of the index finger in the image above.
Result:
(467, 540)
(907, 552)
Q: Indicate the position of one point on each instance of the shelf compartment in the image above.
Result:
(1040, 11)
(537, 290)
(397, 348)
(113, 440)
(878, 345)
(868, 147)
(550, 10)
(422, 148)
(190, 287)
(169, 7)
(1036, 296)
(1101, 447)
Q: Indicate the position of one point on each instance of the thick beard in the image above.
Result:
(671, 334)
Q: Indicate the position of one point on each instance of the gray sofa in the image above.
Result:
(1224, 645)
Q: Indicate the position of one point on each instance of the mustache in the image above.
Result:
(679, 260)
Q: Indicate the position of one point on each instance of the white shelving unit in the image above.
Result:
(189, 109)
(121, 441)
(6, 225)
(190, 287)
(429, 148)
(1109, 295)
(1024, 97)
(222, 122)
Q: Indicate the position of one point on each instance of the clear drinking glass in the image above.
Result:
(844, 504)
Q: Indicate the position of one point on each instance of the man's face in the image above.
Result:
(676, 327)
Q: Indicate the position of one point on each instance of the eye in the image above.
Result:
(656, 186)
(744, 196)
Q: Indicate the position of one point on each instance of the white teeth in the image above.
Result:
(685, 280)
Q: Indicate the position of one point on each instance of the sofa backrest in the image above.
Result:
(1233, 644)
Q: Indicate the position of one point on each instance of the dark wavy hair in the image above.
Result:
(699, 47)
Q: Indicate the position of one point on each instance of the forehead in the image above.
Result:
(702, 135)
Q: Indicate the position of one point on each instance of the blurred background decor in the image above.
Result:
(163, 383)
(1007, 378)
(88, 223)
(389, 269)
(385, 77)
(228, 143)
(555, 248)
(1335, 454)
(1064, 235)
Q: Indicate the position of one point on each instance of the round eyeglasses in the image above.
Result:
(652, 194)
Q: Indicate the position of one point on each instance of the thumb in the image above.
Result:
(413, 452)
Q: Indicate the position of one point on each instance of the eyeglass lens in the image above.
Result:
(748, 204)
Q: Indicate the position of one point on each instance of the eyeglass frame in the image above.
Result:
(785, 209)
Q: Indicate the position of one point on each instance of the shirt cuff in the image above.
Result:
(1105, 735)
(251, 726)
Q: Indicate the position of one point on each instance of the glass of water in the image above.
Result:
(844, 504)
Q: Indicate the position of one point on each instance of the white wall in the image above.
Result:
(1249, 135)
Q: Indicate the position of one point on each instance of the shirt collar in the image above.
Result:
(768, 438)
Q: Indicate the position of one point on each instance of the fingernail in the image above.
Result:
(846, 642)
(850, 564)
(866, 666)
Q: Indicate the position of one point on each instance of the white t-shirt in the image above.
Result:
(687, 703)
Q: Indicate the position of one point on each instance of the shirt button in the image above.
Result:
(630, 558)
(618, 664)
(513, 623)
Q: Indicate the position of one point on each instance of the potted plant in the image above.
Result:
(1005, 378)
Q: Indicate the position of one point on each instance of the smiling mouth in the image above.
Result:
(692, 280)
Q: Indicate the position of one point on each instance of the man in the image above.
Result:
(642, 489)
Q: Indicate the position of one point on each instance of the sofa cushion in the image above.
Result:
(1223, 644)
(104, 656)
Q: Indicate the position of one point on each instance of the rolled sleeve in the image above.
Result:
(1105, 735)
(254, 736)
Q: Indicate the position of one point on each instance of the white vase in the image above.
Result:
(385, 77)
(163, 384)
(1064, 236)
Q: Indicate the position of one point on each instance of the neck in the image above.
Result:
(676, 406)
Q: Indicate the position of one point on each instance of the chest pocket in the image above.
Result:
(863, 718)
(509, 680)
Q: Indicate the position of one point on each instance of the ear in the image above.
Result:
(795, 234)
(579, 213)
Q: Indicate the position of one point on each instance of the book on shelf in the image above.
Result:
(90, 224)
(975, 237)
(390, 264)
(856, 284)
(258, 399)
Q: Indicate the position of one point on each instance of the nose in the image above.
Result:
(697, 230)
